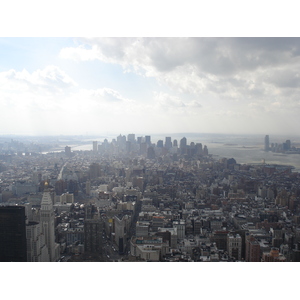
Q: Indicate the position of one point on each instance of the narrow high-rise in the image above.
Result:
(47, 222)
(95, 146)
(267, 143)
(168, 142)
(183, 145)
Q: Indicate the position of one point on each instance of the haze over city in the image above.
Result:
(79, 86)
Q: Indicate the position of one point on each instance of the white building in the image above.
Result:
(148, 248)
(148, 252)
(180, 226)
(234, 246)
(37, 250)
(67, 198)
(47, 223)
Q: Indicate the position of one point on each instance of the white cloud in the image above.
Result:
(204, 84)
(50, 78)
(79, 53)
(230, 68)
(167, 103)
(42, 102)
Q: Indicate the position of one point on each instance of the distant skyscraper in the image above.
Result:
(12, 234)
(150, 153)
(131, 137)
(128, 146)
(175, 143)
(183, 145)
(143, 148)
(95, 146)
(160, 143)
(267, 143)
(168, 142)
(148, 139)
(68, 151)
(199, 148)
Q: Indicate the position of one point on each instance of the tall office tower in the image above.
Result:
(105, 144)
(183, 145)
(121, 140)
(148, 139)
(12, 234)
(94, 170)
(95, 146)
(267, 143)
(168, 142)
(234, 246)
(37, 250)
(68, 151)
(36, 177)
(160, 143)
(47, 222)
(175, 143)
(143, 148)
(131, 137)
(93, 236)
(139, 139)
(122, 223)
(128, 147)
(205, 150)
(180, 227)
(252, 249)
(198, 148)
(288, 144)
(60, 187)
(192, 149)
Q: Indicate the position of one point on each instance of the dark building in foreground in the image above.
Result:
(12, 234)
(93, 236)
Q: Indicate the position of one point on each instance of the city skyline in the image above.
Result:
(92, 86)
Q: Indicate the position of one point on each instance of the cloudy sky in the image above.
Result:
(149, 85)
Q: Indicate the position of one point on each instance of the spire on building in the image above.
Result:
(47, 222)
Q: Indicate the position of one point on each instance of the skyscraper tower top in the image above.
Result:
(47, 222)
(148, 139)
(95, 146)
(267, 143)
(183, 142)
(168, 142)
(131, 137)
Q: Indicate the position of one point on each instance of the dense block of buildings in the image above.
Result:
(134, 200)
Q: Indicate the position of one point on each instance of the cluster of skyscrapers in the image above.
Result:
(130, 199)
(143, 146)
(285, 147)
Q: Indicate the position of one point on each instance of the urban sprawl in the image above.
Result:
(130, 199)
